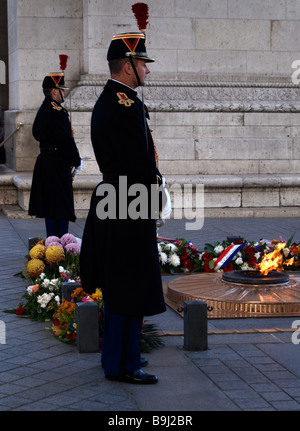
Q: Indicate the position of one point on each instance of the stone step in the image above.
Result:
(8, 191)
(16, 212)
(224, 195)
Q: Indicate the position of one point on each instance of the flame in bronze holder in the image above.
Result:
(238, 294)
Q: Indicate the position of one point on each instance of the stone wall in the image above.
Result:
(209, 128)
(227, 39)
(220, 94)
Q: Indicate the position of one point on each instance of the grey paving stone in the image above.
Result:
(270, 367)
(223, 377)
(255, 378)
(264, 387)
(207, 362)
(275, 396)
(231, 384)
(293, 392)
(30, 382)
(257, 404)
(38, 406)
(89, 405)
(21, 360)
(237, 364)
(240, 372)
(278, 375)
(237, 394)
(211, 370)
(247, 371)
(286, 405)
(288, 383)
(13, 402)
(11, 388)
(109, 398)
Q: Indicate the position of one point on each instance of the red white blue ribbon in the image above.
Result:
(227, 255)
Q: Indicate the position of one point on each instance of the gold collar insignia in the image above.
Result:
(124, 99)
(55, 106)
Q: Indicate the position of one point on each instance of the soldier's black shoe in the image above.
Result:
(137, 377)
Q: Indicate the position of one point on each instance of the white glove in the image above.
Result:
(167, 208)
(75, 172)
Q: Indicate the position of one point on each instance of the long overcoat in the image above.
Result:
(119, 255)
(51, 190)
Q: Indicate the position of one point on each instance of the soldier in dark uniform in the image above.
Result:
(119, 254)
(51, 194)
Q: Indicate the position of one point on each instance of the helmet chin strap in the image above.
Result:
(135, 71)
(144, 114)
(61, 95)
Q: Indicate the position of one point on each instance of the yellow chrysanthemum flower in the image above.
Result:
(54, 254)
(97, 294)
(35, 267)
(37, 252)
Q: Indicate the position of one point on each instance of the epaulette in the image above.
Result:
(56, 106)
(124, 100)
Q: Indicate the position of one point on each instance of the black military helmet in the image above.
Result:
(55, 80)
(128, 45)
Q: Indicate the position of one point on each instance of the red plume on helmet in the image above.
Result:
(132, 44)
(63, 61)
(141, 14)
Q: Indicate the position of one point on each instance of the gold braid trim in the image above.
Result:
(155, 150)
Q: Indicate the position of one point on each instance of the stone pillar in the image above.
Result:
(195, 325)
(67, 289)
(87, 318)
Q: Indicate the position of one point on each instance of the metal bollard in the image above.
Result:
(32, 242)
(67, 289)
(87, 319)
(195, 325)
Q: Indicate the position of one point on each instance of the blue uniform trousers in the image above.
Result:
(120, 344)
(56, 227)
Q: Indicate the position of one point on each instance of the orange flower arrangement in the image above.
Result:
(66, 313)
(78, 294)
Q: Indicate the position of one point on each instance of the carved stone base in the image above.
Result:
(205, 96)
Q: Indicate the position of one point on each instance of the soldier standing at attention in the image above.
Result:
(51, 194)
(119, 254)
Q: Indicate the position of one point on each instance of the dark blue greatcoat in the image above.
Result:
(51, 191)
(120, 256)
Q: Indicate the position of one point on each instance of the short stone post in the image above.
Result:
(195, 325)
(87, 319)
(67, 289)
(32, 242)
